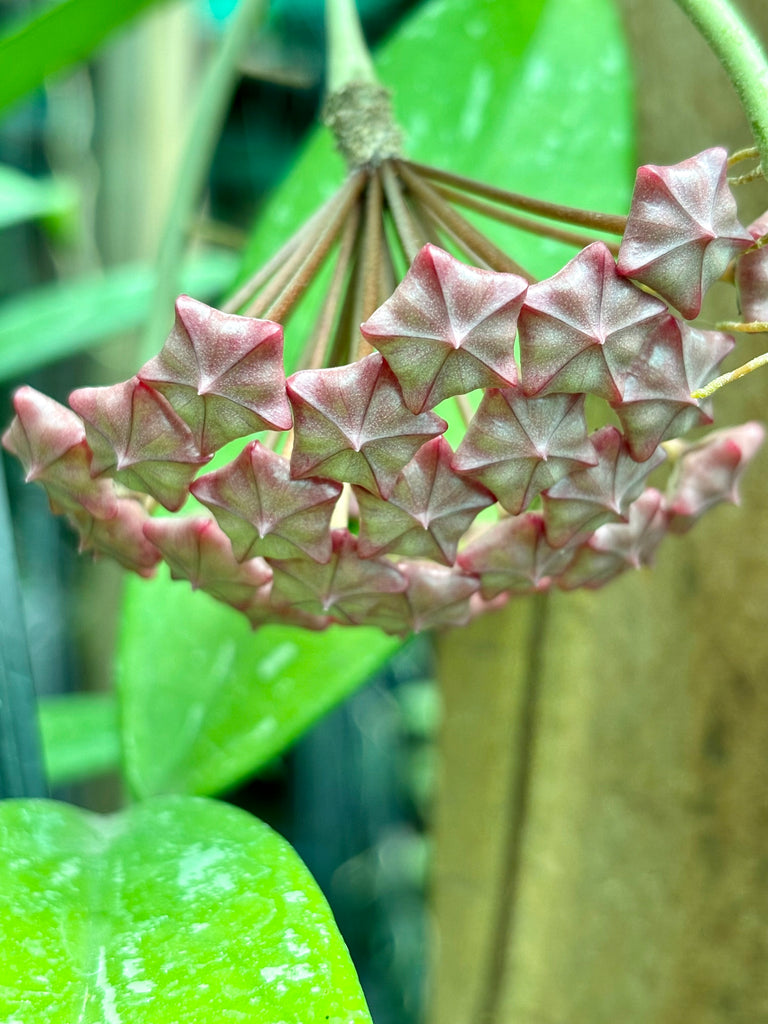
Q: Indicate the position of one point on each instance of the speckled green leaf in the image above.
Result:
(177, 911)
(206, 701)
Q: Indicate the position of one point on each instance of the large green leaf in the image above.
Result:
(531, 95)
(176, 911)
(205, 700)
(61, 319)
(54, 37)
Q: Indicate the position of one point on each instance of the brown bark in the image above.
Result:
(601, 833)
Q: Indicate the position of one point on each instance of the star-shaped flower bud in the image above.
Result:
(198, 551)
(752, 276)
(708, 473)
(351, 425)
(657, 403)
(264, 511)
(448, 329)
(614, 547)
(582, 329)
(514, 555)
(581, 502)
(348, 588)
(222, 373)
(518, 446)
(49, 441)
(262, 612)
(137, 438)
(428, 511)
(437, 596)
(682, 230)
(121, 537)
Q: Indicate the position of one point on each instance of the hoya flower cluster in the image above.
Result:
(353, 508)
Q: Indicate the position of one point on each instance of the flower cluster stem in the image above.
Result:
(349, 59)
(475, 240)
(743, 59)
(321, 337)
(515, 220)
(614, 224)
(407, 231)
(253, 284)
(284, 303)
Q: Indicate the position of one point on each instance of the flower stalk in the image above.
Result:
(737, 374)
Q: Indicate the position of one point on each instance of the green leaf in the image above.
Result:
(533, 96)
(206, 701)
(80, 736)
(58, 320)
(61, 35)
(23, 197)
(176, 911)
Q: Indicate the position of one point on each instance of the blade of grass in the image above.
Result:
(21, 765)
(215, 91)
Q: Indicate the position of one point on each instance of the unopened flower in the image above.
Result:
(682, 230)
(362, 513)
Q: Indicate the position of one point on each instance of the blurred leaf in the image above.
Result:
(23, 197)
(80, 736)
(531, 95)
(205, 701)
(53, 38)
(175, 910)
(58, 320)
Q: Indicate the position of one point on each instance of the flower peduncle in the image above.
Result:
(357, 109)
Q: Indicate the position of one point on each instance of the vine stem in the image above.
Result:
(736, 47)
(213, 98)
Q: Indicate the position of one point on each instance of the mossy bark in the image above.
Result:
(601, 831)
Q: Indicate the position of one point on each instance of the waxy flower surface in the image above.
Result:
(351, 507)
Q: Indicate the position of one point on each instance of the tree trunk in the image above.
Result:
(601, 829)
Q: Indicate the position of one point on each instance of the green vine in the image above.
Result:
(736, 47)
